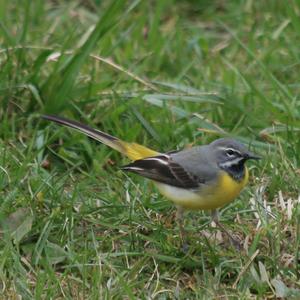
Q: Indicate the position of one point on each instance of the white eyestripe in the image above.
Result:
(232, 149)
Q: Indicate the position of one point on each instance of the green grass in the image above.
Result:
(165, 74)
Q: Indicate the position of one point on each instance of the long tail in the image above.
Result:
(132, 150)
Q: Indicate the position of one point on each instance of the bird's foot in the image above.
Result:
(236, 244)
(185, 247)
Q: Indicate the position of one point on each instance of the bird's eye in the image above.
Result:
(230, 152)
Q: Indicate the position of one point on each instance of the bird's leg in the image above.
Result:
(215, 218)
(182, 233)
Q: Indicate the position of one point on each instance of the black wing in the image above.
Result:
(163, 169)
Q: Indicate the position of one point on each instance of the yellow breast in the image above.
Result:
(225, 190)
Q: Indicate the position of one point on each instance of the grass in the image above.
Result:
(165, 74)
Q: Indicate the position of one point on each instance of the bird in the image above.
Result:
(204, 177)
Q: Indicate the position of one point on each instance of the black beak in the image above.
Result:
(250, 155)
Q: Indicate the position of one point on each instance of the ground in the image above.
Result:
(169, 75)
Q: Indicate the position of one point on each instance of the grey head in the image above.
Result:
(231, 155)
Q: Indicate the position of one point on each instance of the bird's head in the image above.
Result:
(231, 155)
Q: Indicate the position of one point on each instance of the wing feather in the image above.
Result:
(163, 169)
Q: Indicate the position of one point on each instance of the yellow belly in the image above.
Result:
(222, 192)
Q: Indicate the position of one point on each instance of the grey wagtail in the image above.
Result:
(203, 177)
